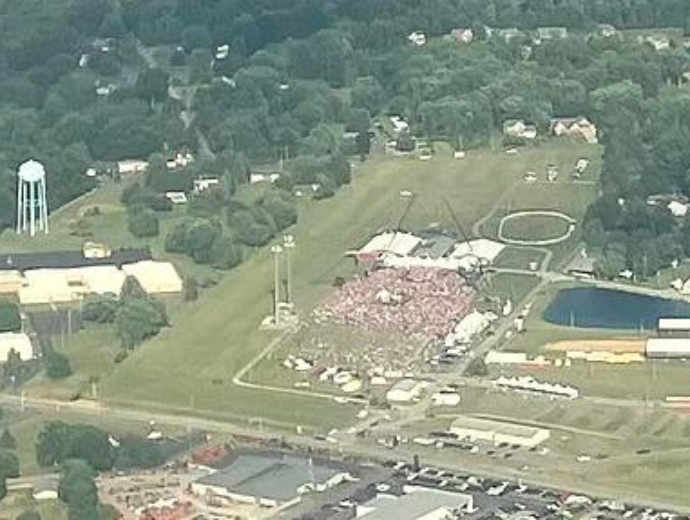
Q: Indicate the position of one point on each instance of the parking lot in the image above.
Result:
(492, 498)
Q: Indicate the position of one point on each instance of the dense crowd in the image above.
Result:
(421, 301)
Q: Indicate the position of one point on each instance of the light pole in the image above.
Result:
(288, 245)
(276, 250)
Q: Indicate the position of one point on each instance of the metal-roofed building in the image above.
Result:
(271, 480)
(417, 503)
(497, 432)
(435, 247)
(70, 259)
(674, 327)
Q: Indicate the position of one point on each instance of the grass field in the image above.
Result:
(513, 286)
(219, 334)
(535, 227)
(519, 257)
(91, 352)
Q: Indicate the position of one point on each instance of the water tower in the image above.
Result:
(32, 203)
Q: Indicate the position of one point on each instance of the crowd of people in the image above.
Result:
(423, 301)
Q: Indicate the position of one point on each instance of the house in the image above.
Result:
(677, 208)
(582, 267)
(462, 35)
(46, 488)
(417, 38)
(580, 127)
(606, 30)
(203, 184)
(399, 124)
(256, 177)
(658, 43)
(509, 34)
(181, 160)
(551, 33)
(222, 51)
(131, 166)
(519, 129)
(176, 197)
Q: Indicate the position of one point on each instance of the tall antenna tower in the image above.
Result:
(32, 202)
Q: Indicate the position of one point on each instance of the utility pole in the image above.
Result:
(288, 245)
(276, 250)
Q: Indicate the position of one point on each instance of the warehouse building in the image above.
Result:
(668, 348)
(417, 503)
(674, 327)
(498, 432)
(271, 479)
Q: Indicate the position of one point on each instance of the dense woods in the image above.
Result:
(300, 75)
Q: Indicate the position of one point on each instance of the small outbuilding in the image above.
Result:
(405, 391)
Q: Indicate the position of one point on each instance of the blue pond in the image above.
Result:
(593, 308)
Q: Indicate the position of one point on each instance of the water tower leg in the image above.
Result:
(44, 207)
(20, 204)
(32, 208)
(25, 208)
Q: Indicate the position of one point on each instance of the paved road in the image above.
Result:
(355, 447)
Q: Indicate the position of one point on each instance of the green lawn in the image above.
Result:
(519, 257)
(513, 286)
(535, 227)
(91, 352)
(219, 334)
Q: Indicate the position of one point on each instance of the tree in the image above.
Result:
(29, 515)
(368, 94)
(196, 37)
(77, 489)
(152, 85)
(10, 318)
(58, 442)
(7, 440)
(191, 289)
(99, 308)
(138, 320)
(58, 365)
(132, 290)
(225, 253)
(249, 231)
(9, 468)
(477, 368)
(137, 452)
(281, 207)
(143, 222)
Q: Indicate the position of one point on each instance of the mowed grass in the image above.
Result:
(219, 334)
(520, 257)
(535, 227)
(91, 352)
